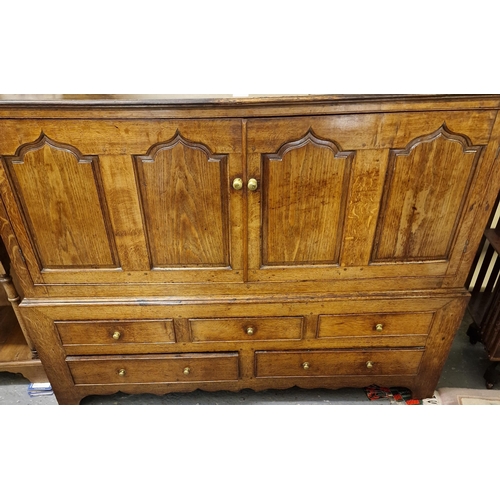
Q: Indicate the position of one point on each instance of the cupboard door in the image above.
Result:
(125, 201)
(304, 189)
(190, 213)
(363, 197)
(60, 199)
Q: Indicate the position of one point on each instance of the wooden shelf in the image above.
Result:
(15, 355)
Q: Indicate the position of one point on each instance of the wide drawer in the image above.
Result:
(115, 332)
(346, 325)
(337, 363)
(244, 329)
(183, 368)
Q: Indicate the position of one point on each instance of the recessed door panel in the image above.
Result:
(300, 205)
(304, 191)
(184, 198)
(60, 196)
(425, 191)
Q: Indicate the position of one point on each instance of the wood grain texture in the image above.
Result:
(250, 306)
(4, 260)
(146, 106)
(363, 207)
(94, 332)
(155, 290)
(184, 194)
(260, 384)
(14, 299)
(481, 201)
(50, 350)
(444, 328)
(3, 297)
(365, 324)
(305, 188)
(18, 272)
(230, 330)
(358, 132)
(125, 211)
(120, 137)
(62, 200)
(13, 346)
(336, 363)
(16, 238)
(425, 192)
(155, 100)
(15, 354)
(154, 368)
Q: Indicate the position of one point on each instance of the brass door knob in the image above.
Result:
(187, 370)
(379, 327)
(238, 184)
(250, 330)
(117, 335)
(252, 184)
(369, 364)
(306, 365)
(122, 372)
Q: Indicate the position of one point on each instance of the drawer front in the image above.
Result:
(115, 332)
(337, 363)
(348, 325)
(245, 329)
(182, 368)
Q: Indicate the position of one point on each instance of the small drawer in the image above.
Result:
(355, 325)
(337, 363)
(245, 329)
(182, 368)
(115, 332)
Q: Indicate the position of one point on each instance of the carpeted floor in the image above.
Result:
(458, 396)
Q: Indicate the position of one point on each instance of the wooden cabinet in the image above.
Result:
(246, 234)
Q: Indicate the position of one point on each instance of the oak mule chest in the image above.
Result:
(167, 244)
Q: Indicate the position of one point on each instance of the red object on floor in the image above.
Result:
(396, 395)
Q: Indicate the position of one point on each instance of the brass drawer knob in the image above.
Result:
(252, 184)
(306, 365)
(250, 330)
(379, 327)
(122, 372)
(369, 364)
(238, 184)
(187, 370)
(117, 335)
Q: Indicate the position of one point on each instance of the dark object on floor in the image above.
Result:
(492, 375)
(474, 334)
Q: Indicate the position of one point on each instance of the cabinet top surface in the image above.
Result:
(224, 99)
(226, 106)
